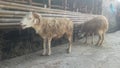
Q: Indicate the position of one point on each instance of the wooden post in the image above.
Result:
(102, 7)
(74, 6)
(30, 2)
(86, 9)
(93, 7)
(49, 3)
(45, 6)
(77, 10)
(65, 6)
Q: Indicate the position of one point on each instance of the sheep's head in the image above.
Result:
(80, 31)
(30, 20)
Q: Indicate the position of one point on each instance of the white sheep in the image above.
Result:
(49, 28)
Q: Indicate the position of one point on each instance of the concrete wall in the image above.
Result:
(110, 13)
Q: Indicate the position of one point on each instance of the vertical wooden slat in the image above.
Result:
(93, 7)
(74, 5)
(65, 6)
(30, 2)
(62, 4)
(49, 3)
(102, 8)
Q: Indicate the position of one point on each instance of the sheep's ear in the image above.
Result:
(37, 18)
(35, 15)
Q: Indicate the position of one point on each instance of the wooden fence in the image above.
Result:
(35, 3)
(12, 13)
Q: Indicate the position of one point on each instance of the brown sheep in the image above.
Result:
(49, 28)
(98, 25)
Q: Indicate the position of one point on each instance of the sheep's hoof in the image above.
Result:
(88, 44)
(68, 50)
(48, 54)
(92, 42)
(97, 45)
(43, 54)
(85, 43)
(101, 45)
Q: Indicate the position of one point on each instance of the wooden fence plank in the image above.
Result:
(13, 13)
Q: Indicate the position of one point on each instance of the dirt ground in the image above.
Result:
(82, 56)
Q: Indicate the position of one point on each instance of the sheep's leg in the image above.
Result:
(86, 39)
(49, 46)
(92, 38)
(70, 45)
(103, 36)
(69, 37)
(99, 40)
(44, 46)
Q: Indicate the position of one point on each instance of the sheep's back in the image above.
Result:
(95, 24)
(56, 26)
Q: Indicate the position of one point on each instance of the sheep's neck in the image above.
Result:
(37, 28)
